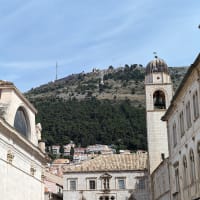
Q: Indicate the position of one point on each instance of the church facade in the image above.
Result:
(21, 156)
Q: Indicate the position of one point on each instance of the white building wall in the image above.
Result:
(186, 142)
(21, 160)
(17, 183)
(131, 181)
(160, 182)
(157, 139)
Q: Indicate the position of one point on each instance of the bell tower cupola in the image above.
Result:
(157, 72)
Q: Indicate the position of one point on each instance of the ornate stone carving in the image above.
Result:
(32, 170)
(38, 129)
(10, 156)
(42, 177)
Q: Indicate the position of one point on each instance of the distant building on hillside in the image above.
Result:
(80, 154)
(55, 149)
(99, 148)
(108, 177)
(67, 148)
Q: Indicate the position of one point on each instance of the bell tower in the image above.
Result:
(158, 90)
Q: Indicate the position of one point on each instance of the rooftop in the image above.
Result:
(61, 161)
(181, 87)
(115, 162)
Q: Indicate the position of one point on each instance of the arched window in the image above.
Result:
(174, 134)
(196, 105)
(21, 122)
(177, 185)
(185, 172)
(192, 166)
(159, 100)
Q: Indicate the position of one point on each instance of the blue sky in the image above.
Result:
(82, 34)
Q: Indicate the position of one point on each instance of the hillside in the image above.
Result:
(104, 106)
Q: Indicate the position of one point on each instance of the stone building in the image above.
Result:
(21, 159)
(161, 181)
(53, 186)
(183, 122)
(56, 167)
(108, 177)
(99, 148)
(158, 89)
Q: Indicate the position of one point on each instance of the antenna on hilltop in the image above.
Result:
(155, 54)
(56, 71)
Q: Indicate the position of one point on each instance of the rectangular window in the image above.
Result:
(196, 105)
(181, 122)
(141, 184)
(55, 151)
(121, 184)
(92, 184)
(188, 115)
(72, 184)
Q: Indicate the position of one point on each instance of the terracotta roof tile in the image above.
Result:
(115, 162)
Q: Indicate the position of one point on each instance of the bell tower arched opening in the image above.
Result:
(159, 100)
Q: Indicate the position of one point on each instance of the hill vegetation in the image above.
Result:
(104, 106)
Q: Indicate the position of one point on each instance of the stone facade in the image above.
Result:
(160, 181)
(183, 122)
(108, 177)
(158, 89)
(21, 160)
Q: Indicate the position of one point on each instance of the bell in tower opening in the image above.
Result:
(159, 100)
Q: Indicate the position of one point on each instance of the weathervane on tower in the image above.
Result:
(155, 54)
